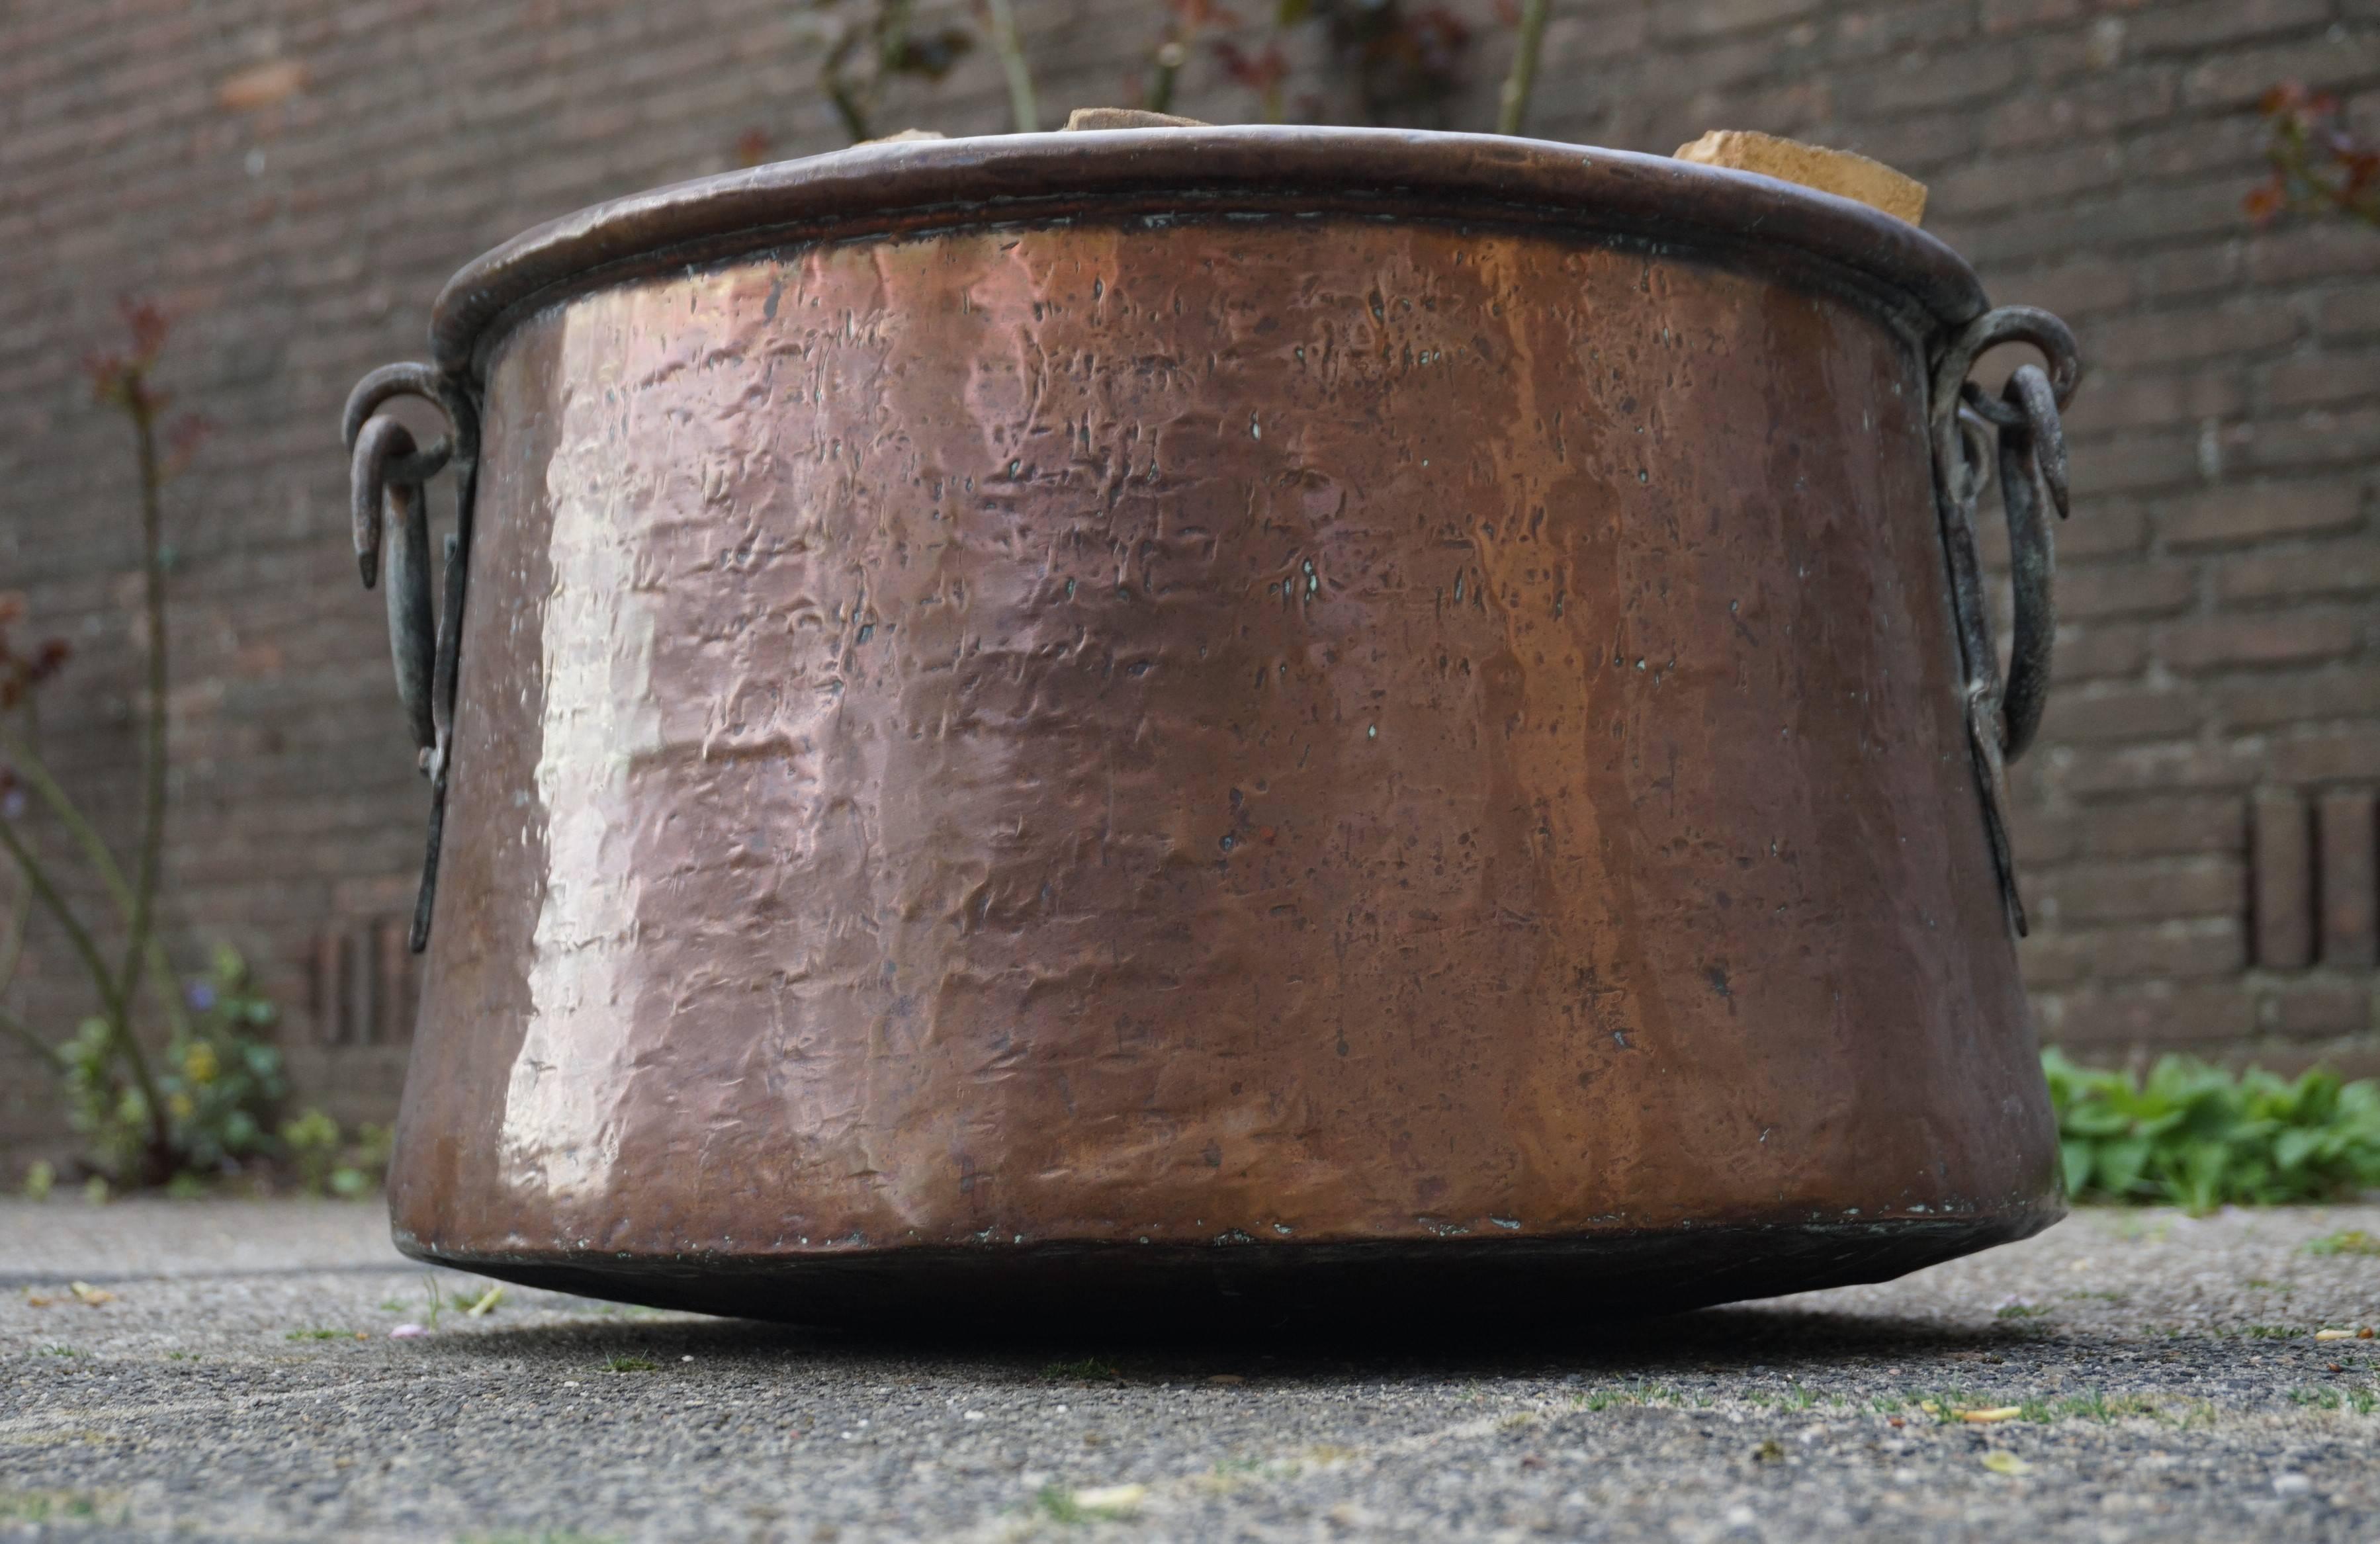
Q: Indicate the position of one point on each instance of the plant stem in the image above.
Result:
(45, 892)
(152, 800)
(51, 1055)
(28, 761)
(1512, 104)
(1004, 42)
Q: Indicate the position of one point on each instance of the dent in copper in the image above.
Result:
(1175, 752)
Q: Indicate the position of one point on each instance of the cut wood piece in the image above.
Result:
(1128, 117)
(903, 137)
(1829, 171)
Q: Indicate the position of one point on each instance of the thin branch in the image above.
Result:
(28, 761)
(1021, 103)
(51, 1054)
(1513, 103)
(152, 800)
(77, 934)
(13, 953)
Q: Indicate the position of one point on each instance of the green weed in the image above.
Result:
(2195, 1136)
(2346, 1241)
(1087, 1369)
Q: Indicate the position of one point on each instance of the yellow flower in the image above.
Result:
(181, 1105)
(199, 1064)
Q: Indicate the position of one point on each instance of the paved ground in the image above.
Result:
(241, 1382)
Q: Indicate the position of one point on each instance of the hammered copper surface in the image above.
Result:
(1261, 732)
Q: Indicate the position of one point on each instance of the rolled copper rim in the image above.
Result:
(907, 188)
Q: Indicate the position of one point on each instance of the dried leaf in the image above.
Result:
(1990, 1416)
(88, 1296)
(2334, 1334)
(2001, 1462)
(1112, 1501)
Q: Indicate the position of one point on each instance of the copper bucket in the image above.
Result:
(1235, 721)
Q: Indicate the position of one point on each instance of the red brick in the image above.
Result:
(2154, 1017)
(2051, 960)
(2339, 692)
(2197, 24)
(2148, 399)
(2148, 827)
(2252, 640)
(2165, 337)
(2041, 838)
(2349, 313)
(2318, 438)
(2143, 464)
(2123, 98)
(2306, 573)
(2121, 713)
(2027, 181)
(1683, 20)
(2124, 590)
(2147, 889)
(2295, 252)
(2091, 772)
(2317, 754)
(2236, 78)
(2027, 15)
(2257, 512)
(2099, 649)
(2169, 951)
(2078, 288)
(2103, 527)
(2315, 1009)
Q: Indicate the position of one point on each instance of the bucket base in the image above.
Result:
(1144, 1291)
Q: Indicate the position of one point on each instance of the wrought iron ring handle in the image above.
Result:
(2032, 454)
(1963, 420)
(389, 509)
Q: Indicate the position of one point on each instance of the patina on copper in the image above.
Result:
(1216, 722)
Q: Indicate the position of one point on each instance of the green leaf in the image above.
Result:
(2291, 1148)
(2123, 1163)
(2076, 1156)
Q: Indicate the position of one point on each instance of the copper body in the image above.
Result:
(1092, 762)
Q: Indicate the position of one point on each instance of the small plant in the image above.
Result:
(870, 44)
(116, 1093)
(40, 1177)
(482, 1303)
(215, 1079)
(2347, 1241)
(2318, 166)
(1088, 1369)
(2195, 1136)
(62, 1506)
(319, 1335)
(631, 1364)
(327, 1161)
(1097, 1504)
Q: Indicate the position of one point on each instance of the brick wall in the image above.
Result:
(296, 178)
